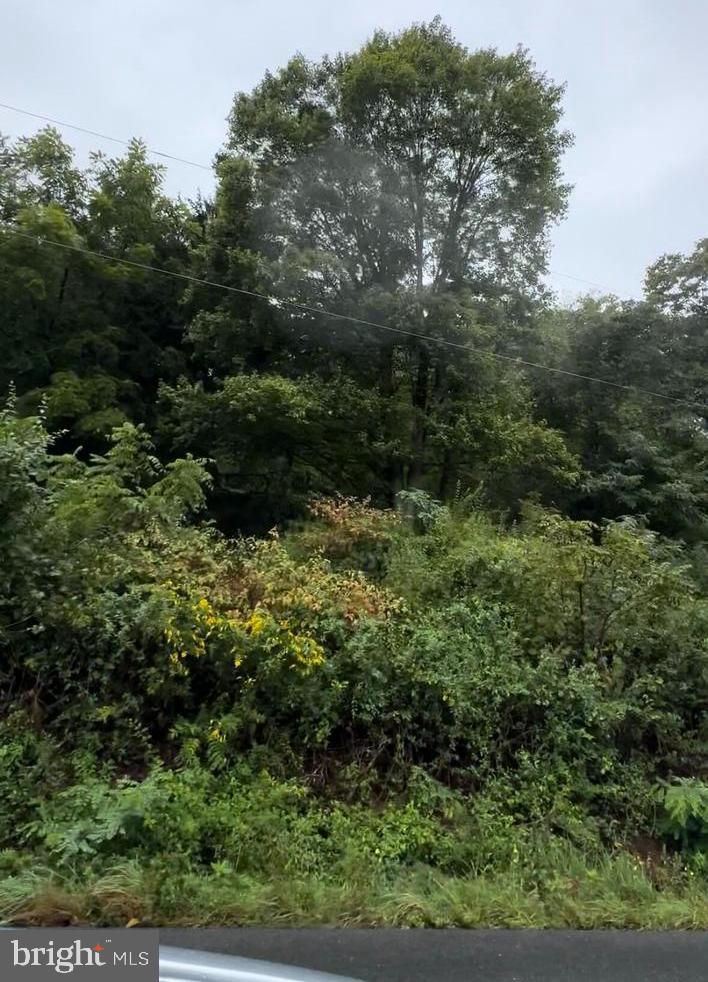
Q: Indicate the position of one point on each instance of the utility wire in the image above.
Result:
(579, 279)
(322, 312)
(103, 136)
(193, 163)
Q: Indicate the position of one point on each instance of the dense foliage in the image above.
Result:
(300, 617)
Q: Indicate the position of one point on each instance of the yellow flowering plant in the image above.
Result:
(311, 592)
(195, 629)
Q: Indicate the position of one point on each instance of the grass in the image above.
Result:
(617, 893)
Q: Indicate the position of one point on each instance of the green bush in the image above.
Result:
(484, 697)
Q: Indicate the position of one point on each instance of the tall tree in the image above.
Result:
(643, 455)
(413, 184)
(91, 338)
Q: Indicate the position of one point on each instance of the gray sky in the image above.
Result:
(166, 70)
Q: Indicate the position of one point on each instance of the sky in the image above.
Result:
(636, 76)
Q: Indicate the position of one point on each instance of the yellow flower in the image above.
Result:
(256, 622)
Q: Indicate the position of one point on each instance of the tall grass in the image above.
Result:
(618, 892)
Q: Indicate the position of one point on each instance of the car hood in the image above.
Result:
(186, 965)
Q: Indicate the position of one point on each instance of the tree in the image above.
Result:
(642, 455)
(412, 184)
(679, 283)
(90, 338)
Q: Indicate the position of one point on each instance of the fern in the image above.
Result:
(685, 813)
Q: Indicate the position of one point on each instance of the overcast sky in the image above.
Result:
(166, 70)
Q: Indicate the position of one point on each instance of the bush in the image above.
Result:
(484, 697)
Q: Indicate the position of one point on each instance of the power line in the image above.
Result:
(103, 136)
(322, 312)
(193, 163)
(579, 279)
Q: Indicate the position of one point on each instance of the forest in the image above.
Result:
(347, 575)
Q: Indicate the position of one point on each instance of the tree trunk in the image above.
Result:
(446, 473)
(419, 394)
(57, 307)
(420, 409)
(393, 469)
(386, 371)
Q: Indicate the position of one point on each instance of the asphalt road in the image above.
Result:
(383, 955)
